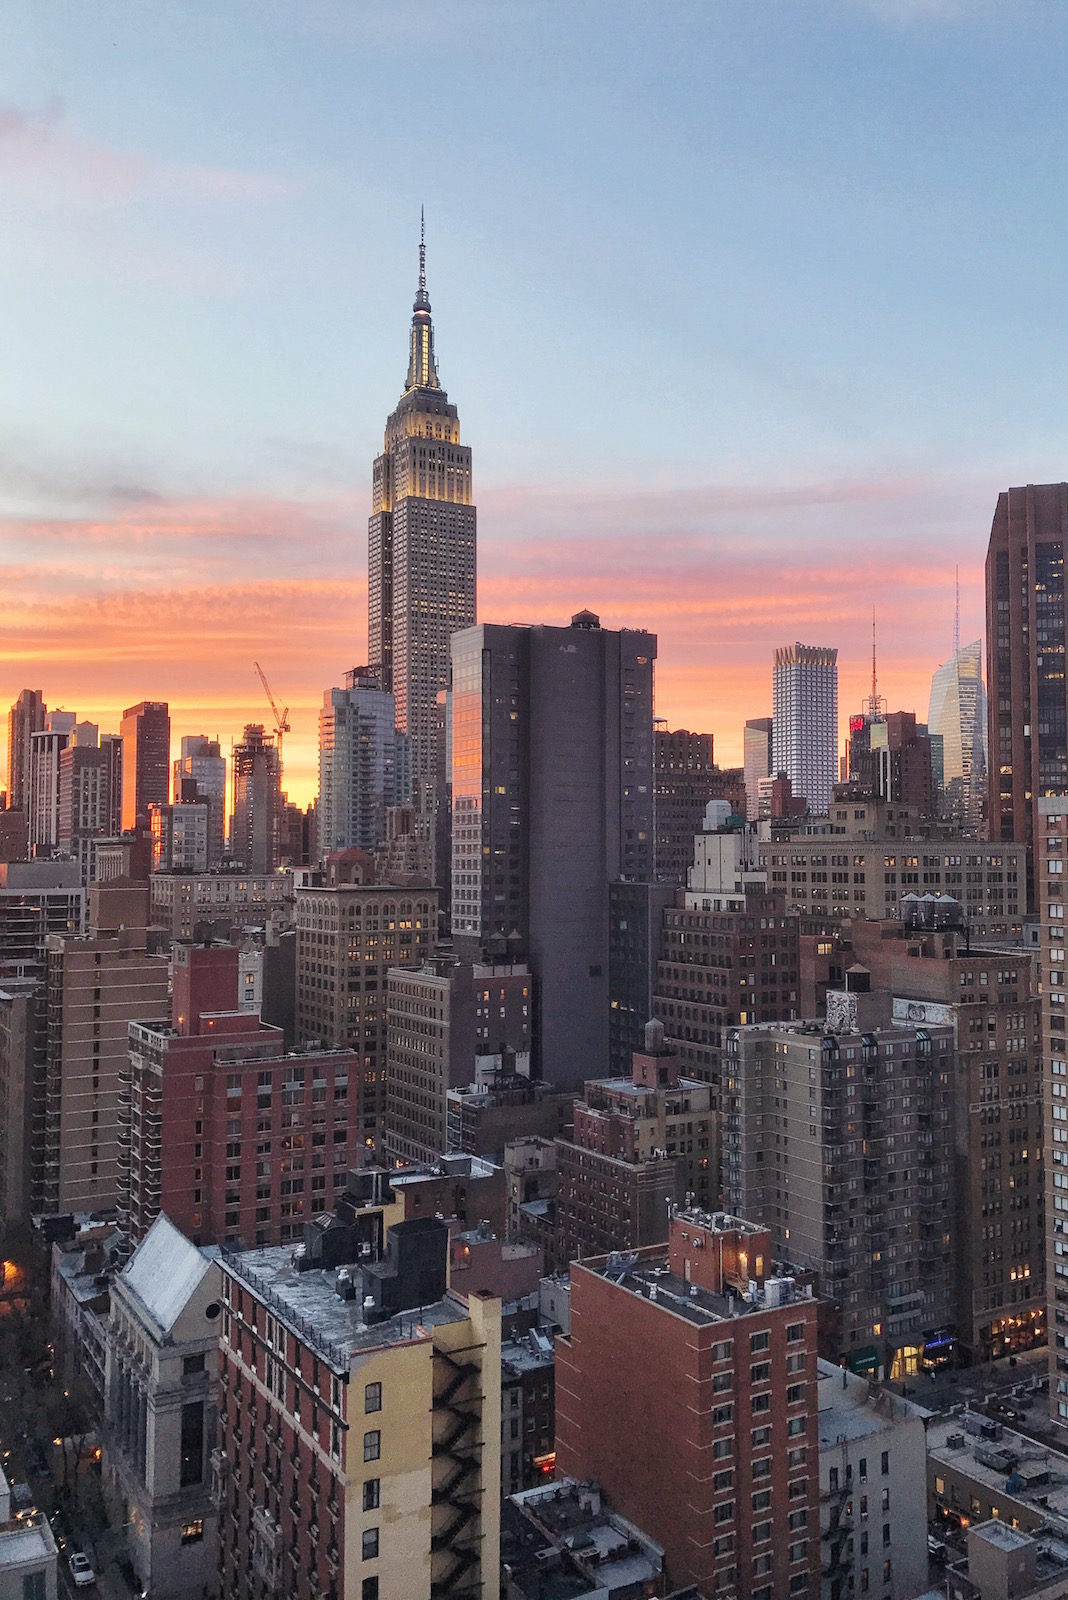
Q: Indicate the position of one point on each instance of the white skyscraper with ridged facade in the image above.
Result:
(804, 741)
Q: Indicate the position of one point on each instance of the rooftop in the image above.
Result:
(610, 1553)
(647, 1091)
(452, 1166)
(529, 1353)
(1010, 1465)
(852, 1407)
(164, 1271)
(25, 1543)
(309, 1304)
(653, 1281)
(1000, 1534)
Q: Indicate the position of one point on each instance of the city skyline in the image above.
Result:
(207, 324)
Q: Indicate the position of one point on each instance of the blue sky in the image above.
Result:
(735, 283)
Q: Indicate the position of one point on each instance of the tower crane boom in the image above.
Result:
(281, 718)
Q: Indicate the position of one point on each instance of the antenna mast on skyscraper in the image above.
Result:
(956, 617)
(874, 707)
(422, 249)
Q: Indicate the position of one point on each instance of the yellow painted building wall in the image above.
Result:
(403, 1514)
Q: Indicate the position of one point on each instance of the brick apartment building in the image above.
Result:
(1050, 849)
(186, 904)
(866, 855)
(360, 1415)
(938, 975)
(350, 932)
(94, 988)
(222, 1130)
(839, 1135)
(449, 1022)
(687, 1389)
(729, 954)
(638, 1144)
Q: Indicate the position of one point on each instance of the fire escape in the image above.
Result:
(456, 1526)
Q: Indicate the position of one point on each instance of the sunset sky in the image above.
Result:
(749, 312)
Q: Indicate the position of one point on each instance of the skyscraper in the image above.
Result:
(200, 774)
(684, 780)
(361, 769)
(420, 542)
(256, 772)
(552, 799)
(757, 758)
(1025, 655)
(42, 804)
(804, 740)
(146, 760)
(27, 716)
(958, 716)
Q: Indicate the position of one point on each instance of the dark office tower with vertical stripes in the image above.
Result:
(1027, 707)
(420, 544)
(552, 800)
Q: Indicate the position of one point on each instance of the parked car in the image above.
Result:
(81, 1570)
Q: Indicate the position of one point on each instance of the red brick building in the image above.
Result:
(687, 1388)
(639, 1143)
(721, 967)
(358, 1452)
(219, 1128)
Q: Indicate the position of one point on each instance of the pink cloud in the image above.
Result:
(42, 156)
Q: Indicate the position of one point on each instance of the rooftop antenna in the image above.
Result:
(874, 707)
(956, 617)
(422, 249)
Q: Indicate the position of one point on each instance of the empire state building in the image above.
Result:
(420, 542)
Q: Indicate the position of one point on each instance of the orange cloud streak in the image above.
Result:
(176, 600)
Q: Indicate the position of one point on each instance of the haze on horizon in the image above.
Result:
(748, 316)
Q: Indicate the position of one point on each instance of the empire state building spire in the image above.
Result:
(422, 371)
(421, 562)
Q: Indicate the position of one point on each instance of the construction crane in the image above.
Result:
(281, 719)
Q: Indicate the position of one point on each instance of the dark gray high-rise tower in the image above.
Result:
(420, 543)
(552, 799)
(1026, 637)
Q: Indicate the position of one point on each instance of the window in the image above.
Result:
(369, 1590)
(372, 1489)
(191, 1449)
(191, 1364)
(886, 1463)
(794, 1332)
(33, 1586)
(372, 1397)
(760, 1341)
(193, 1530)
(370, 1544)
(372, 1445)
